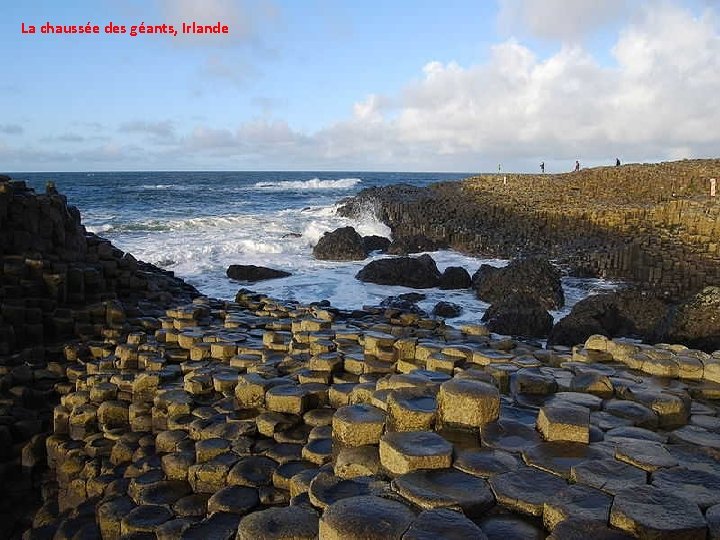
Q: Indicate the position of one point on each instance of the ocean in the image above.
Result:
(198, 223)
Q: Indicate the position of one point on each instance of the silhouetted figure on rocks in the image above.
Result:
(617, 162)
(577, 165)
(542, 167)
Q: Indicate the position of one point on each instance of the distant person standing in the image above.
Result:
(577, 165)
(617, 162)
(542, 167)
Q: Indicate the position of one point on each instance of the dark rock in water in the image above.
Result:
(531, 277)
(414, 244)
(696, 322)
(343, 244)
(376, 243)
(412, 296)
(292, 235)
(443, 523)
(621, 313)
(518, 316)
(406, 306)
(455, 277)
(417, 272)
(447, 310)
(250, 272)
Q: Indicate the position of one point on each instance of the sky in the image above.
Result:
(377, 85)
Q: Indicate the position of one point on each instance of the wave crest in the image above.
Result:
(315, 183)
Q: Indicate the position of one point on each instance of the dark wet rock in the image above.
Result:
(620, 434)
(620, 313)
(650, 512)
(374, 242)
(609, 475)
(455, 277)
(528, 278)
(447, 310)
(219, 526)
(696, 435)
(576, 501)
(701, 487)
(509, 435)
(518, 315)
(443, 523)
(416, 272)
(512, 527)
(486, 462)
(647, 455)
(417, 243)
(290, 522)
(252, 273)
(713, 521)
(366, 518)
(695, 322)
(438, 488)
(233, 499)
(326, 489)
(584, 529)
(252, 471)
(512, 489)
(404, 306)
(412, 297)
(559, 457)
(638, 414)
(343, 244)
(144, 519)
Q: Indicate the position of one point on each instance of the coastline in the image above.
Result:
(164, 399)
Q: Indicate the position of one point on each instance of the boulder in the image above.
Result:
(402, 305)
(455, 277)
(695, 322)
(615, 314)
(417, 272)
(250, 272)
(343, 244)
(414, 244)
(517, 315)
(532, 277)
(376, 243)
(447, 310)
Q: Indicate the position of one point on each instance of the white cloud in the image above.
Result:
(659, 100)
(564, 20)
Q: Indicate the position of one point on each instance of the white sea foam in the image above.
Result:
(315, 183)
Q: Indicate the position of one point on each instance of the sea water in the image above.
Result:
(199, 223)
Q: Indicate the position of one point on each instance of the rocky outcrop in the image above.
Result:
(416, 243)
(518, 315)
(376, 243)
(695, 322)
(415, 272)
(534, 278)
(657, 227)
(447, 310)
(59, 286)
(621, 313)
(343, 244)
(455, 277)
(252, 273)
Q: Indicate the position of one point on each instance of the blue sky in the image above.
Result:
(337, 85)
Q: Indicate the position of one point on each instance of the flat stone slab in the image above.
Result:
(326, 489)
(638, 414)
(576, 501)
(486, 462)
(696, 435)
(252, 471)
(438, 488)
(609, 475)
(234, 499)
(647, 455)
(443, 523)
(558, 457)
(358, 425)
(650, 512)
(713, 521)
(509, 435)
(405, 451)
(296, 522)
(583, 529)
(467, 403)
(526, 490)
(701, 487)
(366, 517)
